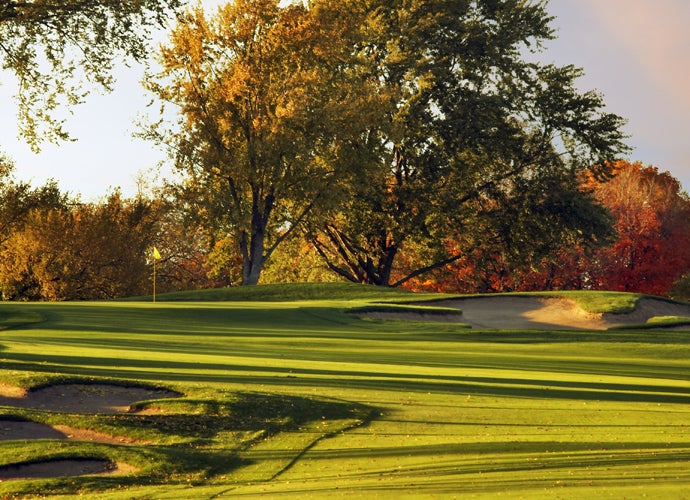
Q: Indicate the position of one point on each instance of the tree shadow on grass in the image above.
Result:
(204, 450)
(246, 411)
(524, 387)
(198, 320)
(14, 317)
(455, 469)
(584, 451)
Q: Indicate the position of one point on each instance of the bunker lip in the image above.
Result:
(19, 429)
(16, 429)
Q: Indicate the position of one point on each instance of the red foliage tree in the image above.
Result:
(649, 254)
(652, 215)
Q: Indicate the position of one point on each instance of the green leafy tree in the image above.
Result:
(473, 141)
(256, 87)
(297, 261)
(54, 46)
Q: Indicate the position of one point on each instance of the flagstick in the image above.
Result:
(154, 279)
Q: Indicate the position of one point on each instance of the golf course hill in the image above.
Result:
(562, 310)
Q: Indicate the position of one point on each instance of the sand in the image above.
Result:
(69, 398)
(539, 313)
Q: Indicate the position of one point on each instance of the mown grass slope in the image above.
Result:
(445, 410)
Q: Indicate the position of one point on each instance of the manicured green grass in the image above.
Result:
(300, 398)
(288, 292)
(604, 302)
(657, 322)
(13, 317)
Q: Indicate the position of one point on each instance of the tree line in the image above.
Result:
(55, 247)
(393, 143)
(376, 126)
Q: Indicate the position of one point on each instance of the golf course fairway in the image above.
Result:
(285, 392)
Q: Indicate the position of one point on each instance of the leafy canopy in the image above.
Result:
(473, 142)
(256, 88)
(54, 47)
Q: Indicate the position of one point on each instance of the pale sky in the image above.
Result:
(635, 52)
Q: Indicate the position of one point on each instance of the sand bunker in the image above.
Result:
(63, 468)
(81, 398)
(24, 429)
(11, 429)
(70, 398)
(539, 313)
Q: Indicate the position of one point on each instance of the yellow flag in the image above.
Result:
(156, 253)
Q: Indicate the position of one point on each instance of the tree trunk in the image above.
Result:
(253, 259)
(251, 274)
(252, 245)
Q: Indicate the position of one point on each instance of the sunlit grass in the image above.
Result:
(659, 322)
(604, 302)
(282, 292)
(669, 320)
(449, 410)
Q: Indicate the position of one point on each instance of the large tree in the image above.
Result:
(54, 46)
(258, 90)
(652, 220)
(476, 142)
(648, 251)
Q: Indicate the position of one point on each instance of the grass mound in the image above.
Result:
(658, 323)
(604, 302)
(285, 292)
(669, 321)
(405, 308)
